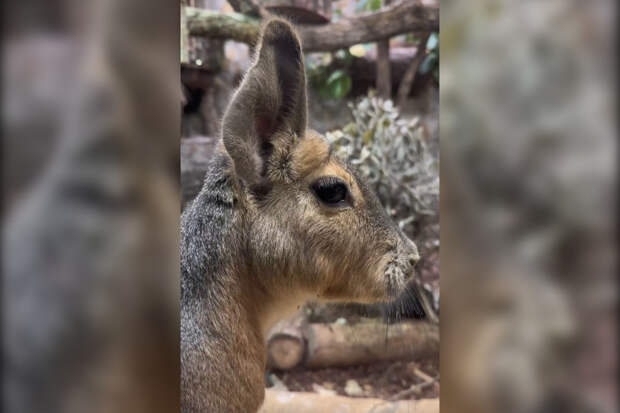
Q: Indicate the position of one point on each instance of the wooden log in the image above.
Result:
(286, 345)
(301, 402)
(294, 342)
(409, 77)
(331, 345)
(384, 79)
(404, 16)
(301, 11)
(285, 351)
(217, 25)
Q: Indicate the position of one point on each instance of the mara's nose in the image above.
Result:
(413, 255)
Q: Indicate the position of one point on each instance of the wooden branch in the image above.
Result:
(414, 390)
(384, 73)
(402, 17)
(286, 345)
(301, 402)
(248, 7)
(295, 342)
(405, 85)
(384, 76)
(331, 345)
(216, 25)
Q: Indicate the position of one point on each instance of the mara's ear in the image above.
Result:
(270, 102)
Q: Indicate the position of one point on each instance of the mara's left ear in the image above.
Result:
(270, 102)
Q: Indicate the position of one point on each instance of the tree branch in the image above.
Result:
(247, 7)
(402, 17)
(405, 86)
(216, 25)
(384, 72)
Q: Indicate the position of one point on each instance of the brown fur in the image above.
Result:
(257, 241)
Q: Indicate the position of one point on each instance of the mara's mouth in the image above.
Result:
(395, 285)
(385, 284)
(396, 279)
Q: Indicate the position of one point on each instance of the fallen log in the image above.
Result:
(301, 402)
(287, 345)
(331, 345)
(404, 16)
(320, 345)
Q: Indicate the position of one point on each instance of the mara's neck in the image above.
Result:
(226, 311)
(263, 308)
(214, 258)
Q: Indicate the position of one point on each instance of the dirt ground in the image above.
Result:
(381, 380)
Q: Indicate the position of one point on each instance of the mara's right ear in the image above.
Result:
(271, 99)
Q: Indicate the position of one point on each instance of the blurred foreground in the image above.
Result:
(90, 218)
(528, 150)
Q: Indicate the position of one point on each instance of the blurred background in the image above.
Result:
(528, 206)
(373, 89)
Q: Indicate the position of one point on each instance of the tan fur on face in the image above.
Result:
(310, 153)
(312, 159)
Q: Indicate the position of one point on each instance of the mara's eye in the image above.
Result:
(330, 190)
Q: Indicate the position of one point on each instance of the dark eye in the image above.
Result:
(330, 190)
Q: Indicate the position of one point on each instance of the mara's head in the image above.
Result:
(310, 223)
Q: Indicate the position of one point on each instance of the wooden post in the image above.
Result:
(384, 77)
(407, 81)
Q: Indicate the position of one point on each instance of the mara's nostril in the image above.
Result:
(413, 259)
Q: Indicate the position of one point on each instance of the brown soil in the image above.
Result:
(380, 380)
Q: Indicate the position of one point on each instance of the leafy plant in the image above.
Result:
(391, 153)
(338, 84)
(430, 64)
(368, 5)
(329, 82)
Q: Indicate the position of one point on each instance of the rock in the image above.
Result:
(329, 385)
(353, 389)
(317, 388)
(277, 383)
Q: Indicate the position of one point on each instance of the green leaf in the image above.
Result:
(338, 84)
(341, 88)
(433, 41)
(373, 5)
(336, 74)
(368, 5)
(427, 64)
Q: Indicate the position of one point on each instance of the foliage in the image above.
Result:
(368, 5)
(330, 83)
(430, 64)
(392, 154)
